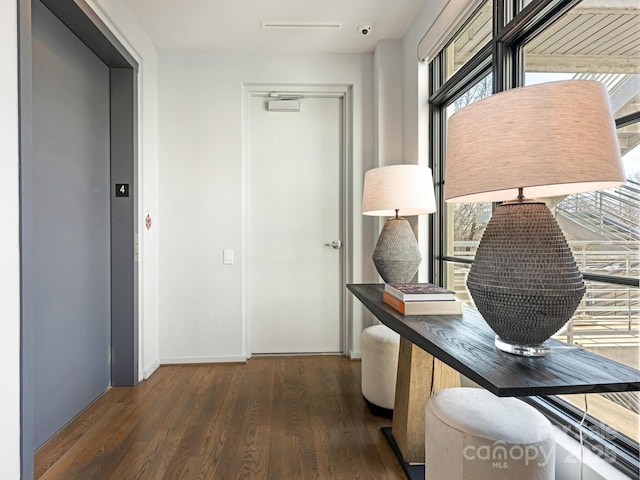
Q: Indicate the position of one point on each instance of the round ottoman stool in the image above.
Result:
(473, 435)
(379, 365)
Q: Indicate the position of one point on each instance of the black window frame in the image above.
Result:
(503, 58)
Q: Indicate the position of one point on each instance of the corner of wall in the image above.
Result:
(9, 246)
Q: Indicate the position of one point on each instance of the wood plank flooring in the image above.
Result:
(278, 418)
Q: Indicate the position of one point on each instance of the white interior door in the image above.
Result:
(295, 278)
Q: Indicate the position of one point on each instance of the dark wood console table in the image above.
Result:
(466, 344)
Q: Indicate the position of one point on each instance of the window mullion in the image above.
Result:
(437, 222)
(474, 69)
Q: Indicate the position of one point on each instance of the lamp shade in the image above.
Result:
(406, 188)
(555, 138)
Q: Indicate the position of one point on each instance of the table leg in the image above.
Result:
(420, 375)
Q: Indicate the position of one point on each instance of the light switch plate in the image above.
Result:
(227, 257)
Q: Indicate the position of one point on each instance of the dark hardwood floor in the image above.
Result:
(278, 418)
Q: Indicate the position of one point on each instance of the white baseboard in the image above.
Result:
(212, 359)
(150, 371)
(355, 354)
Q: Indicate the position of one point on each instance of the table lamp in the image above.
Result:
(397, 190)
(545, 140)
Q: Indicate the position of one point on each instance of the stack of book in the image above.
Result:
(421, 299)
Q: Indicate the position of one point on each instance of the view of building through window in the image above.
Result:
(595, 40)
(475, 34)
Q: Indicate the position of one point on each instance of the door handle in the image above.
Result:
(336, 244)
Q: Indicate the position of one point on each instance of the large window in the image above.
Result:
(549, 40)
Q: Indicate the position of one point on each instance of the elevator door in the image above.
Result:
(67, 292)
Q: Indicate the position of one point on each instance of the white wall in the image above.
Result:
(201, 185)
(9, 246)
(120, 21)
(388, 102)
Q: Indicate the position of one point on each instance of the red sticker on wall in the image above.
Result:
(147, 221)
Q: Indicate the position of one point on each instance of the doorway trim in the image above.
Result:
(343, 92)
(78, 16)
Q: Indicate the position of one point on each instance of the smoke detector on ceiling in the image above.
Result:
(365, 29)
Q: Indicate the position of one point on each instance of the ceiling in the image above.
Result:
(236, 25)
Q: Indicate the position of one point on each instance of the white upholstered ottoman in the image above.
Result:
(379, 365)
(473, 435)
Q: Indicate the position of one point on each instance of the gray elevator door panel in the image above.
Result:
(69, 294)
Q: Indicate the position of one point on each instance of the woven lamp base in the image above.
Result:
(396, 255)
(524, 279)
